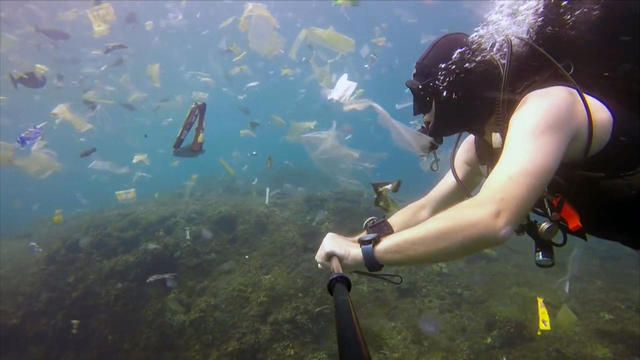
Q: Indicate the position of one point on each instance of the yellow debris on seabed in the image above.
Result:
(263, 37)
(298, 128)
(126, 196)
(63, 112)
(57, 216)
(101, 17)
(153, 71)
(226, 166)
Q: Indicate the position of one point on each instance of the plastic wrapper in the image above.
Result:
(323, 38)
(261, 27)
(226, 22)
(343, 90)
(126, 196)
(148, 25)
(153, 71)
(140, 158)
(40, 163)
(64, 112)
(101, 17)
(298, 128)
(108, 166)
(239, 69)
(94, 97)
(278, 121)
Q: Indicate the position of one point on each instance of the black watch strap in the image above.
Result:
(369, 259)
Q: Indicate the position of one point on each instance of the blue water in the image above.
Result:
(191, 45)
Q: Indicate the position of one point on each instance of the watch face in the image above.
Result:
(368, 239)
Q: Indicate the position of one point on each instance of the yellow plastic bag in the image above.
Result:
(63, 112)
(324, 38)
(101, 17)
(263, 37)
(153, 71)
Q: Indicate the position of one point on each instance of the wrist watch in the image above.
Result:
(367, 242)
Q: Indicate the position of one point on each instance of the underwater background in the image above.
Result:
(232, 232)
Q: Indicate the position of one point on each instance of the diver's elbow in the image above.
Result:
(503, 226)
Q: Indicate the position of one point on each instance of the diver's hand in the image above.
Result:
(344, 248)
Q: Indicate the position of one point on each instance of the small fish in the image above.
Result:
(53, 34)
(88, 152)
(128, 106)
(269, 162)
(113, 47)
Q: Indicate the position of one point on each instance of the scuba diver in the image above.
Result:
(553, 130)
(32, 79)
(196, 114)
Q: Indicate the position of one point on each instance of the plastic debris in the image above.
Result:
(40, 163)
(31, 135)
(94, 97)
(226, 22)
(380, 41)
(108, 166)
(544, 324)
(277, 120)
(139, 174)
(346, 2)
(323, 38)
(226, 166)
(239, 69)
(199, 96)
(189, 185)
(57, 216)
(239, 57)
(261, 27)
(268, 162)
(126, 196)
(383, 199)
(266, 196)
(6, 153)
(35, 248)
(136, 97)
(298, 128)
(140, 157)
(251, 84)
(187, 233)
(343, 90)
(75, 324)
(247, 133)
(148, 25)
(255, 181)
(63, 112)
(101, 17)
(286, 72)
(153, 71)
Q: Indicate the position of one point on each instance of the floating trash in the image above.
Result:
(140, 158)
(126, 196)
(199, 96)
(64, 112)
(343, 90)
(75, 324)
(108, 166)
(57, 216)
(226, 166)
(261, 27)
(148, 25)
(101, 17)
(153, 71)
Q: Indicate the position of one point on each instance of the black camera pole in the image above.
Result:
(351, 344)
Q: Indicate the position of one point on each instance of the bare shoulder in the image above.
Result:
(560, 109)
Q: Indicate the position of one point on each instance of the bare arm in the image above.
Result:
(539, 133)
